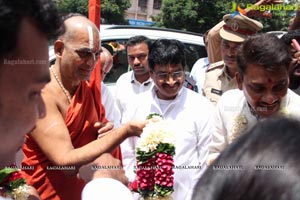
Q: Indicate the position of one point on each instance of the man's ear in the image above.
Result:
(239, 79)
(58, 48)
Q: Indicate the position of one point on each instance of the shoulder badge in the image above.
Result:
(215, 65)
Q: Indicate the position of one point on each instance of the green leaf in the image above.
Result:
(5, 172)
(150, 116)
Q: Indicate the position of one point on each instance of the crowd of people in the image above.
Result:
(79, 140)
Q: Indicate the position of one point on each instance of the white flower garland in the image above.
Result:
(240, 123)
(155, 133)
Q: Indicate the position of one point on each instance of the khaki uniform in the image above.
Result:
(214, 43)
(217, 81)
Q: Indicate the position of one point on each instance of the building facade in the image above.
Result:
(143, 9)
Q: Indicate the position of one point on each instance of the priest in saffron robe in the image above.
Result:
(66, 138)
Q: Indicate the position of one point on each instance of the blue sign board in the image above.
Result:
(137, 22)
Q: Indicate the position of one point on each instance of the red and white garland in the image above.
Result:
(13, 185)
(154, 156)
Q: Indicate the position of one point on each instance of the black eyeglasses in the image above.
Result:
(165, 76)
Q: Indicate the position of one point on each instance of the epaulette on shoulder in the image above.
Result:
(215, 65)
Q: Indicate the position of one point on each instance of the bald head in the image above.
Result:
(78, 50)
(80, 26)
(106, 60)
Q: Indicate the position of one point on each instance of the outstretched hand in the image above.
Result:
(135, 127)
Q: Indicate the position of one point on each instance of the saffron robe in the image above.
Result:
(49, 180)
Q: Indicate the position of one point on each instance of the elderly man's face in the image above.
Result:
(23, 74)
(81, 49)
(264, 89)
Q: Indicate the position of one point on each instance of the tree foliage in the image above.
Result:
(191, 15)
(113, 11)
(201, 15)
(73, 6)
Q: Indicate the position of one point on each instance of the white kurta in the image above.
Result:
(190, 114)
(233, 104)
(127, 88)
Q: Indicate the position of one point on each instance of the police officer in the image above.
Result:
(220, 76)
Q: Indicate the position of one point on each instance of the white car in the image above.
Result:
(119, 34)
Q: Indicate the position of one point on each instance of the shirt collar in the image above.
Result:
(224, 72)
(145, 83)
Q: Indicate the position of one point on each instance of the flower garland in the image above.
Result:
(240, 123)
(154, 166)
(13, 185)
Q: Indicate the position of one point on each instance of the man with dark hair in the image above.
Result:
(294, 72)
(66, 138)
(187, 112)
(263, 79)
(24, 71)
(138, 79)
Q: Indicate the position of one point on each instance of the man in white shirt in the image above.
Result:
(263, 80)
(138, 80)
(187, 111)
(108, 100)
(199, 68)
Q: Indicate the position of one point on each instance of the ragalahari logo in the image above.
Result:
(236, 8)
(262, 8)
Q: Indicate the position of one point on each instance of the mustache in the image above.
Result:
(176, 84)
(230, 58)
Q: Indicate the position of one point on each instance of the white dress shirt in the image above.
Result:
(127, 88)
(198, 72)
(111, 109)
(189, 113)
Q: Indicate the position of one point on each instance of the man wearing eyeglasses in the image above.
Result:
(187, 111)
(66, 138)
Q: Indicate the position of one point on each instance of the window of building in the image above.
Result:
(157, 4)
(142, 3)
